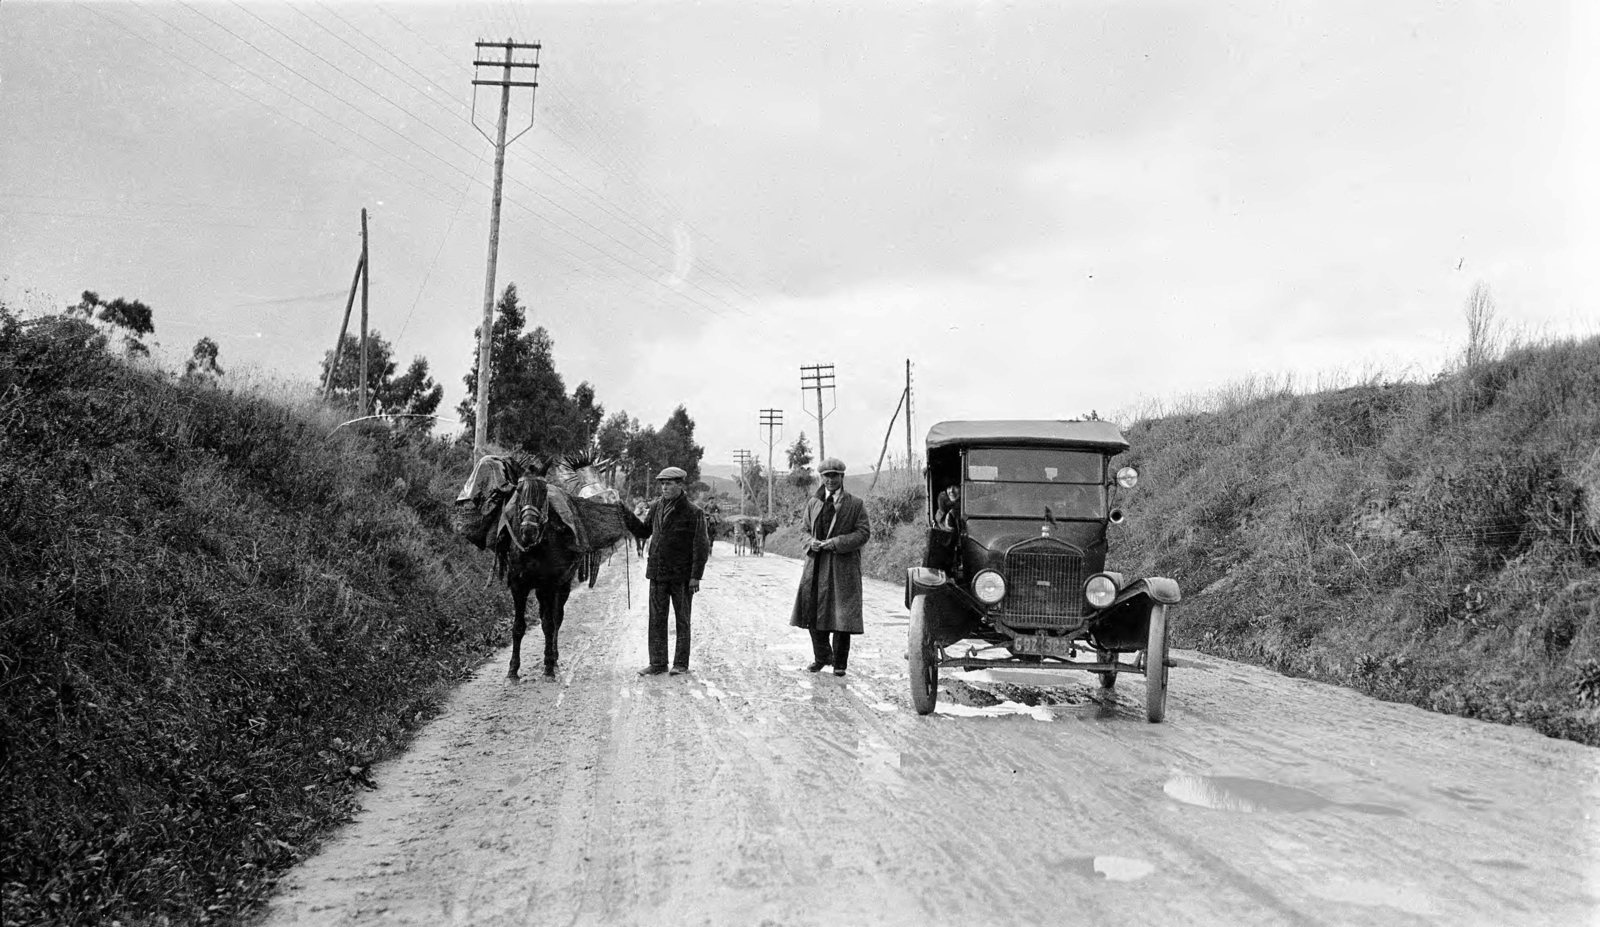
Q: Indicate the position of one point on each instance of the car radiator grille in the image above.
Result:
(1044, 582)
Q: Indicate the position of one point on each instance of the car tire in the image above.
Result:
(1155, 666)
(923, 658)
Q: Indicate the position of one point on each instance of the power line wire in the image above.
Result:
(471, 179)
(439, 132)
(252, 98)
(636, 173)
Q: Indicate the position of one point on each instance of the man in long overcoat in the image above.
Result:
(829, 601)
(680, 544)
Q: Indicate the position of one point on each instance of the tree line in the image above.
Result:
(530, 409)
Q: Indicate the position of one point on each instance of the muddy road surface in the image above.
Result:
(751, 792)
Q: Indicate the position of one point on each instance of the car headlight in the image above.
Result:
(1100, 590)
(1127, 477)
(989, 587)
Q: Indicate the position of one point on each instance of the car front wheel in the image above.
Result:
(924, 659)
(1155, 666)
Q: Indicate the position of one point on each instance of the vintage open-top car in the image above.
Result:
(1016, 559)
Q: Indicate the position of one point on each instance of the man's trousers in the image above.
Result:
(680, 598)
(837, 655)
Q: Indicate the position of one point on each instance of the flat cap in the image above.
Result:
(672, 473)
(831, 465)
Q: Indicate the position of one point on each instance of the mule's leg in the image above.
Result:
(519, 625)
(549, 621)
(553, 611)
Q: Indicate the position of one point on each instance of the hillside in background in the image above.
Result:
(215, 614)
(1435, 543)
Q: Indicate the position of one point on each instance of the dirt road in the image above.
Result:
(751, 792)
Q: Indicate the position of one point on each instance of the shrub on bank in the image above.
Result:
(213, 619)
(1432, 543)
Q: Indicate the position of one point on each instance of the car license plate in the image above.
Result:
(1041, 645)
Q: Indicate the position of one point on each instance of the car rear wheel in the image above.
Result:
(924, 659)
(1155, 666)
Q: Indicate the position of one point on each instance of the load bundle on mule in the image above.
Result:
(587, 515)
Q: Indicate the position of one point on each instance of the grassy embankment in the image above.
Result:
(213, 618)
(1434, 543)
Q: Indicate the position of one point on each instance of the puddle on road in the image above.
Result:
(1110, 868)
(1374, 894)
(986, 694)
(1237, 793)
(1033, 679)
(869, 697)
(999, 709)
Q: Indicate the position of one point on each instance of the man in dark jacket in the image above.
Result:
(829, 600)
(680, 544)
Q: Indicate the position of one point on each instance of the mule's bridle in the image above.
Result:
(531, 518)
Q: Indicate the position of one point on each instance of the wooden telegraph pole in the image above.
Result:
(742, 458)
(771, 420)
(344, 324)
(363, 409)
(480, 438)
(887, 434)
(819, 377)
(908, 421)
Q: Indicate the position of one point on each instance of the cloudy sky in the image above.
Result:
(1046, 207)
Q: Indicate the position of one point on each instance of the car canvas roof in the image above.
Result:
(1104, 436)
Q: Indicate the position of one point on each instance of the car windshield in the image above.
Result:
(1025, 482)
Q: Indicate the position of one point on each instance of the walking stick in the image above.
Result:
(627, 572)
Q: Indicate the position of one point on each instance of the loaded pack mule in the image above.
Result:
(544, 537)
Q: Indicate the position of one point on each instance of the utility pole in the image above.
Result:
(908, 421)
(480, 438)
(819, 377)
(344, 325)
(742, 458)
(365, 276)
(771, 420)
(887, 433)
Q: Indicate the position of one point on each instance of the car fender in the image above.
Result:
(921, 580)
(1124, 624)
(949, 612)
(1157, 588)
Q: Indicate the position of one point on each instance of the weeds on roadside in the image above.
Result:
(213, 619)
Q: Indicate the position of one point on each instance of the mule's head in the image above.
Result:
(533, 514)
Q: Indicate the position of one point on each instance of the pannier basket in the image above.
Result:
(474, 524)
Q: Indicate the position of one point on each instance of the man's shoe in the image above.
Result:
(816, 667)
(678, 670)
(838, 671)
(652, 671)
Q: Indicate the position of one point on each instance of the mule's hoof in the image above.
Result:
(512, 674)
(550, 670)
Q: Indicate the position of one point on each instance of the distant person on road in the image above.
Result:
(828, 603)
(680, 544)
